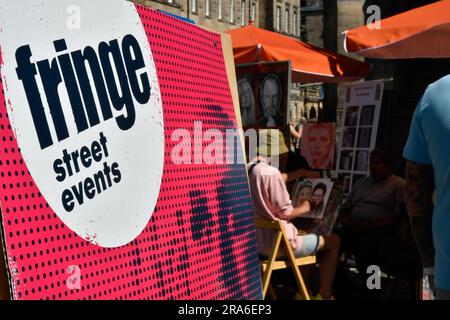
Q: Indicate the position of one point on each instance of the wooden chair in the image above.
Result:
(270, 263)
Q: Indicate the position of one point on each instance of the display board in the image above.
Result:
(264, 93)
(322, 225)
(359, 130)
(115, 182)
(316, 191)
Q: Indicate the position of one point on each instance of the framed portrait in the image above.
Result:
(361, 161)
(349, 137)
(351, 116)
(247, 101)
(316, 191)
(346, 160)
(264, 94)
(358, 130)
(345, 179)
(367, 116)
(318, 144)
(331, 211)
(324, 224)
(364, 136)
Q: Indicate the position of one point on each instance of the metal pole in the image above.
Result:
(188, 9)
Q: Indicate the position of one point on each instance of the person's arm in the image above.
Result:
(294, 132)
(299, 211)
(300, 173)
(418, 195)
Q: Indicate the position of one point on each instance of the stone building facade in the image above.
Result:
(220, 15)
(282, 16)
(307, 99)
(215, 15)
(407, 78)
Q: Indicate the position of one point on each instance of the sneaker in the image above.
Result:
(298, 296)
(319, 297)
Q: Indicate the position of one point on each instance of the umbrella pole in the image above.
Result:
(258, 53)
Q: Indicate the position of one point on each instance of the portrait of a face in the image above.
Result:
(367, 113)
(364, 136)
(346, 179)
(264, 93)
(270, 100)
(317, 192)
(346, 160)
(246, 102)
(317, 145)
(318, 196)
(349, 138)
(303, 193)
(361, 161)
(351, 116)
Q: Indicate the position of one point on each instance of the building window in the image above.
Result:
(303, 29)
(232, 11)
(286, 20)
(254, 12)
(207, 13)
(219, 9)
(278, 19)
(294, 23)
(194, 6)
(243, 13)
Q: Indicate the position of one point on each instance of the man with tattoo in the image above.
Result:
(428, 168)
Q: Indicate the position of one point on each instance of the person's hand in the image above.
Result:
(306, 206)
(300, 210)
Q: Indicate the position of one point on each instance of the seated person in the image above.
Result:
(371, 214)
(272, 201)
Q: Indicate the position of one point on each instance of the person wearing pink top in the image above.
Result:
(272, 201)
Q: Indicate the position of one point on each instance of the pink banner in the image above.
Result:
(196, 242)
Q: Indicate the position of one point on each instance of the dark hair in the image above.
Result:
(384, 154)
(321, 186)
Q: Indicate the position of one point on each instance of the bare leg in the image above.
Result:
(307, 271)
(328, 259)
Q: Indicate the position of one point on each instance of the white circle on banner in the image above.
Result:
(108, 194)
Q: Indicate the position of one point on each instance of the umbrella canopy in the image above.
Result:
(423, 32)
(309, 63)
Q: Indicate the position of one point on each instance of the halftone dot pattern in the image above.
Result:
(200, 241)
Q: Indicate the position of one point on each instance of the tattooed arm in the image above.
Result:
(418, 194)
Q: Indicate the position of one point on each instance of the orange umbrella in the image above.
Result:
(309, 63)
(423, 32)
